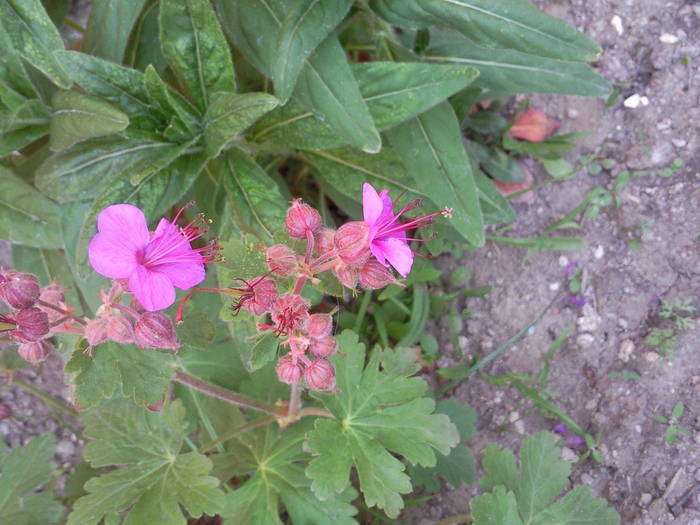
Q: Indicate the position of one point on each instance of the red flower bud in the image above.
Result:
(324, 347)
(120, 329)
(289, 312)
(96, 331)
(289, 370)
(320, 375)
(302, 218)
(281, 260)
(319, 325)
(35, 351)
(155, 330)
(346, 275)
(19, 290)
(32, 324)
(324, 240)
(5, 411)
(53, 295)
(374, 275)
(352, 242)
(259, 297)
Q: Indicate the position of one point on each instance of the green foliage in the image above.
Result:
(23, 470)
(154, 476)
(378, 411)
(526, 495)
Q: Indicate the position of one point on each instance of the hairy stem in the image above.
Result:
(235, 432)
(60, 311)
(294, 400)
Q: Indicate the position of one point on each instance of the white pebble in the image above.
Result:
(638, 429)
(644, 499)
(616, 22)
(585, 340)
(652, 357)
(644, 101)
(668, 38)
(632, 101)
(554, 286)
(563, 261)
(599, 252)
(625, 351)
(569, 455)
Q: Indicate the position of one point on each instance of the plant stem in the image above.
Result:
(45, 397)
(74, 25)
(294, 400)
(61, 311)
(362, 311)
(236, 431)
(227, 395)
(453, 520)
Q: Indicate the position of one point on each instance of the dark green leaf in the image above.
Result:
(23, 125)
(169, 102)
(456, 468)
(432, 148)
(243, 259)
(26, 216)
(405, 14)
(196, 49)
(35, 37)
(144, 48)
(78, 117)
(229, 114)
(196, 330)
(109, 26)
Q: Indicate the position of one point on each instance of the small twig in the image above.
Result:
(678, 506)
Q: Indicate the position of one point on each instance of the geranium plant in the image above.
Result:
(193, 189)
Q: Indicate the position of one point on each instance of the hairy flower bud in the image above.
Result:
(374, 275)
(346, 275)
(281, 260)
(35, 351)
(320, 375)
(32, 324)
(19, 290)
(155, 330)
(289, 312)
(319, 325)
(289, 370)
(352, 242)
(302, 218)
(324, 240)
(260, 295)
(324, 347)
(96, 331)
(120, 329)
(53, 295)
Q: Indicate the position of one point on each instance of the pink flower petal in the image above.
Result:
(112, 255)
(372, 204)
(184, 275)
(152, 289)
(397, 252)
(124, 220)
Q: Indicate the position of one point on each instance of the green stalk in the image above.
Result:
(45, 397)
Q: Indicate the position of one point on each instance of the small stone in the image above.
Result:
(652, 357)
(616, 22)
(590, 321)
(554, 286)
(572, 113)
(644, 499)
(638, 429)
(632, 101)
(585, 340)
(463, 343)
(644, 101)
(625, 351)
(668, 38)
(679, 143)
(569, 455)
(563, 261)
(587, 479)
(65, 449)
(599, 252)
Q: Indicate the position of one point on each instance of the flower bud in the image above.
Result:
(32, 324)
(19, 290)
(374, 275)
(259, 297)
(302, 218)
(298, 344)
(346, 275)
(120, 329)
(289, 370)
(324, 240)
(319, 325)
(281, 260)
(320, 375)
(352, 242)
(53, 295)
(289, 312)
(324, 347)
(35, 351)
(5, 411)
(155, 330)
(96, 331)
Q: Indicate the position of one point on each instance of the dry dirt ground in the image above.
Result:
(642, 476)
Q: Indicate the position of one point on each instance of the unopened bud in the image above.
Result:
(324, 240)
(290, 312)
(302, 218)
(374, 275)
(53, 295)
(281, 260)
(96, 331)
(35, 351)
(120, 329)
(324, 347)
(32, 324)
(19, 290)
(5, 411)
(155, 330)
(319, 325)
(298, 344)
(352, 243)
(320, 375)
(289, 370)
(260, 295)
(346, 275)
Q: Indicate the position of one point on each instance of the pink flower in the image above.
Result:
(387, 236)
(154, 263)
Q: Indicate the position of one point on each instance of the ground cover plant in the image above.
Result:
(198, 193)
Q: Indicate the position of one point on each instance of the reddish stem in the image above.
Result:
(61, 311)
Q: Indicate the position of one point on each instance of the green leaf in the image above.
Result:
(578, 507)
(26, 216)
(153, 478)
(432, 148)
(496, 508)
(196, 330)
(79, 117)
(196, 49)
(494, 206)
(254, 198)
(393, 91)
(23, 125)
(35, 37)
(22, 471)
(243, 259)
(405, 14)
(229, 114)
(170, 102)
(504, 72)
(109, 26)
(378, 412)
